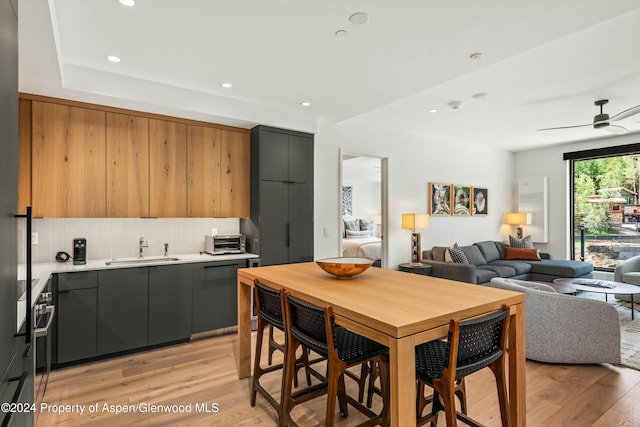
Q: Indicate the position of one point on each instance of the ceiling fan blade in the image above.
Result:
(616, 129)
(568, 127)
(626, 113)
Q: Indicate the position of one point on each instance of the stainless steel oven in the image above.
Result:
(44, 312)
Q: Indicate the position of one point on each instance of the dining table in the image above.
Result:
(397, 309)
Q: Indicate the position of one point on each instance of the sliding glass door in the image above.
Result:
(605, 205)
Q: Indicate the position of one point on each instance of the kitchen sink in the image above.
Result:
(130, 261)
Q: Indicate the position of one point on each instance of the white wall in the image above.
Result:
(366, 198)
(414, 161)
(548, 162)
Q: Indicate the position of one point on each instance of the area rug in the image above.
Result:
(629, 329)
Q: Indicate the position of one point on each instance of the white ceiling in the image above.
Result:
(544, 62)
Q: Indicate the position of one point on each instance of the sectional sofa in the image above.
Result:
(487, 260)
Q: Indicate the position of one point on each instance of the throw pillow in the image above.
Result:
(522, 254)
(457, 255)
(357, 234)
(366, 224)
(525, 242)
(447, 256)
(352, 224)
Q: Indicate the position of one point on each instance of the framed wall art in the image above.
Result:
(347, 200)
(439, 199)
(480, 200)
(461, 200)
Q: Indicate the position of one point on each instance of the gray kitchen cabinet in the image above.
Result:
(9, 352)
(123, 309)
(280, 228)
(284, 155)
(169, 303)
(215, 295)
(76, 316)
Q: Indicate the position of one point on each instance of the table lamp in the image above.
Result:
(518, 219)
(413, 222)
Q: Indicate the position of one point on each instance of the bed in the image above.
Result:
(359, 239)
(368, 247)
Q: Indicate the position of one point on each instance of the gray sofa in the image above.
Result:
(486, 261)
(564, 328)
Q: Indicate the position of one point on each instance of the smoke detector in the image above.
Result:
(455, 105)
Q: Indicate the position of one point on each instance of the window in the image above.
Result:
(605, 204)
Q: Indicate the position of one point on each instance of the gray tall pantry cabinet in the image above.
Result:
(15, 373)
(280, 228)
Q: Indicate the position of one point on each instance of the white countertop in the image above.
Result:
(43, 271)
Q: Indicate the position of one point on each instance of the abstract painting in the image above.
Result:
(461, 205)
(439, 199)
(480, 201)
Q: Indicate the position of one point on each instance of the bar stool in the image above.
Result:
(312, 326)
(471, 345)
(269, 306)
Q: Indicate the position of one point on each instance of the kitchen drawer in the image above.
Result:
(77, 280)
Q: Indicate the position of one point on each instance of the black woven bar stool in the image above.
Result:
(471, 345)
(269, 304)
(314, 327)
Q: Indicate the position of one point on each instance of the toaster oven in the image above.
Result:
(222, 244)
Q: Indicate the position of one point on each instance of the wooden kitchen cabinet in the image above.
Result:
(218, 164)
(127, 166)
(123, 309)
(85, 160)
(203, 172)
(167, 169)
(215, 295)
(76, 316)
(235, 179)
(169, 303)
(68, 161)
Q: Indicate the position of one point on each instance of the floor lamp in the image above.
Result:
(413, 222)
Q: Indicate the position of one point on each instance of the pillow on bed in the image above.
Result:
(352, 224)
(366, 224)
(357, 234)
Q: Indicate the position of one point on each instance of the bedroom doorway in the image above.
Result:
(363, 206)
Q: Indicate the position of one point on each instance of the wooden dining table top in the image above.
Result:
(397, 309)
(395, 303)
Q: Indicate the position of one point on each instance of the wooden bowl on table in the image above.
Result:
(343, 267)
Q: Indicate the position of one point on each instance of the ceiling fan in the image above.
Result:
(603, 120)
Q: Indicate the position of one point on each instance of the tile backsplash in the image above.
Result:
(119, 237)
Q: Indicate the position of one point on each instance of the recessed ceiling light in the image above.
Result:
(128, 2)
(305, 104)
(341, 34)
(113, 58)
(455, 105)
(359, 18)
(476, 55)
(226, 85)
(433, 111)
(481, 95)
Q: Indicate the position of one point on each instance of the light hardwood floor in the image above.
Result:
(203, 372)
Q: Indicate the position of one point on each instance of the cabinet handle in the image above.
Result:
(288, 234)
(222, 265)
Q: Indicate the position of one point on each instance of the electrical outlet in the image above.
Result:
(34, 238)
(326, 232)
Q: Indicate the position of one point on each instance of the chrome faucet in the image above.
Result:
(143, 244)
(166, 250)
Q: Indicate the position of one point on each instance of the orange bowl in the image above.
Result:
(344, 268)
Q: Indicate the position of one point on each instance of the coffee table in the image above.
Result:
(620, 288)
